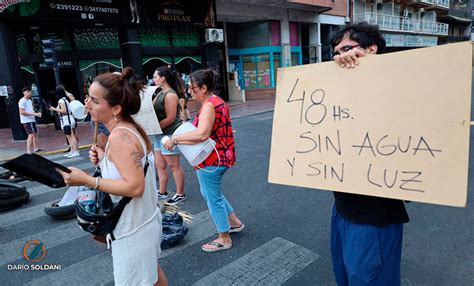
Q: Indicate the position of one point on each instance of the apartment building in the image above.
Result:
(263, 35)
(405, 23)
(459, 18)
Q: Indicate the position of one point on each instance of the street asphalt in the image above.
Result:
(285, 242)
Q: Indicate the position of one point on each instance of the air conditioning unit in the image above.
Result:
(214, 35)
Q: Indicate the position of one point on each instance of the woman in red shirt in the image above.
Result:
(212, 121)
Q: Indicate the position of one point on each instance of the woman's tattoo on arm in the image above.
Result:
(125, 137)
(137, 159)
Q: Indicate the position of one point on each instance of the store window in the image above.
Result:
(92, 68)
(295, 59)
(151, 63)
(256, 71)
(276, 64)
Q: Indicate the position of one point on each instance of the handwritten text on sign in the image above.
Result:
(397, 126)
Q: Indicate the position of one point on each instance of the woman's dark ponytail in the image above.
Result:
(124, 89)
(173, 79)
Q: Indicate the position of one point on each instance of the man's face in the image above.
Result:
(347, 44)
(27, 94)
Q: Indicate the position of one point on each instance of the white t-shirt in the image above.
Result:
(27, 105)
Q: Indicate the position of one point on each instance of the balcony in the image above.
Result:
(442, 4)
(403, 24)
(421, 3)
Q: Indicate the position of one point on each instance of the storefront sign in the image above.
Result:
(200, 12)
(174, 15)
(398, 40)
(64, 64)
(355, 131)
(66, 10)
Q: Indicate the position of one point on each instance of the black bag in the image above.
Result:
(173, 230)
(67, 130)
(107, 214)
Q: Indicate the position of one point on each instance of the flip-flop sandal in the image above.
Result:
(237, 228)
(216, 246)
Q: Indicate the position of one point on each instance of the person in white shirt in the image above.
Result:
(68, 123)
(27, 118)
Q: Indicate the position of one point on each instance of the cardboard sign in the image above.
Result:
(396, 126)
(146, 117)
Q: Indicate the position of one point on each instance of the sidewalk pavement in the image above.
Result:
(53, 141)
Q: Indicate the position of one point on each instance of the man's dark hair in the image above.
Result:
(25, 88)
(364, 34)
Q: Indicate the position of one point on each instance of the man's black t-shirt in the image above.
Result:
(370, 210)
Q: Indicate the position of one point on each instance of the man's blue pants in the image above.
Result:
(364, 254)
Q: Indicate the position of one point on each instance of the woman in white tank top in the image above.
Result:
(113, 100)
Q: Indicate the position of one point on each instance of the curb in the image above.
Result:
(252, 114)
(87, 146)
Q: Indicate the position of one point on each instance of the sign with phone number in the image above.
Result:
(62, 10)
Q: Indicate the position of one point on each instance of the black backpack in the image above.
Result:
(103, 222)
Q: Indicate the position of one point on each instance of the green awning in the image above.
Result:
(28, 68)
(165, 59)
(197, 59)
(84, 64)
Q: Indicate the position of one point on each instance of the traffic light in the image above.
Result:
(49, 53)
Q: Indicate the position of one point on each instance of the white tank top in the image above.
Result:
(139, 211)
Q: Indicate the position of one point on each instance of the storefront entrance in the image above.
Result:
(47, 89)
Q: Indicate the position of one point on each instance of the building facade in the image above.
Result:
(92, 37)
(405, 23)
(459, 19)
(261, 36)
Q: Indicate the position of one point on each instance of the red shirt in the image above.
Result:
(221, 133)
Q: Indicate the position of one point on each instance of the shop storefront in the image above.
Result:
(93, 37)
(258, 67)
(255, 52)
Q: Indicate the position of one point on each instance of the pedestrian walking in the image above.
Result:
(27, 118)
(113, 100)
(68, 123)
(212, 121)
(70, 98)
(168, 111)
(366, 232)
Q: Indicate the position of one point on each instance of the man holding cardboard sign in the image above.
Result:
(366, 231)
(363, 133)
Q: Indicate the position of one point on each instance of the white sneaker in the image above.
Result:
(68, 154)
(73, 154)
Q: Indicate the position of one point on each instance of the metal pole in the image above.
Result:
(56, 74)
